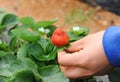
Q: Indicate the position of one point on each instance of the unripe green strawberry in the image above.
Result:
(59, 37)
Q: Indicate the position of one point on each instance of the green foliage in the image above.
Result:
(29, 55)
(29, 21)
(77, 33)
(46, 23)
(115, 75)
(25, 76)
(25, 34)
(7, 20)
(52, 74)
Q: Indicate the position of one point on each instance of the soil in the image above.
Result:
(69, 13)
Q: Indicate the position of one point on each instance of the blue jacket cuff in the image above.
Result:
(111, 45)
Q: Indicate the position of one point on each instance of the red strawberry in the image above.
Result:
(59, 37)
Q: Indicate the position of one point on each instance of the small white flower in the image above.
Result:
(76, 28)
(47, 31)
(1, 41)
(41, 29)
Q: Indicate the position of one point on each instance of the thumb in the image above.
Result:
(75, 46)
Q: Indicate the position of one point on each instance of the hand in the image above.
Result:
(85, 58)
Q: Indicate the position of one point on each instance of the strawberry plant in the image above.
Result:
(28, 49)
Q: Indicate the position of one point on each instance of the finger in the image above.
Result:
(76, 72)
(75, 46)
(63, 68)
(68, 58)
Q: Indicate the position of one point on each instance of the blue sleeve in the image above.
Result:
(111, 45)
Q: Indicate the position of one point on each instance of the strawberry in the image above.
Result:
(59, 37)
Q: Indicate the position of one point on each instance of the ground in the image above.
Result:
(69, 13)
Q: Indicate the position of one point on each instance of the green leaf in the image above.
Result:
(24, 26)
(43, 42)
(49, 48)
(77, 33)
(77, 30)
(1, 17)
(73, 37)
(25, 76)
(29, 21)
(6, 58)
(12, 43)
(46, 45)
(36, 50)
(25, 34)
(9, 20)
(51, 28)
(86, 30)
(2, 28)
(3, 53)
(52, 74)
(2, 79)
(41, 54)
(46, 23)
(52, 55)
(18, 66)
(22, 51)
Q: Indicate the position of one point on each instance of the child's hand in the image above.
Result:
(85, 58)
